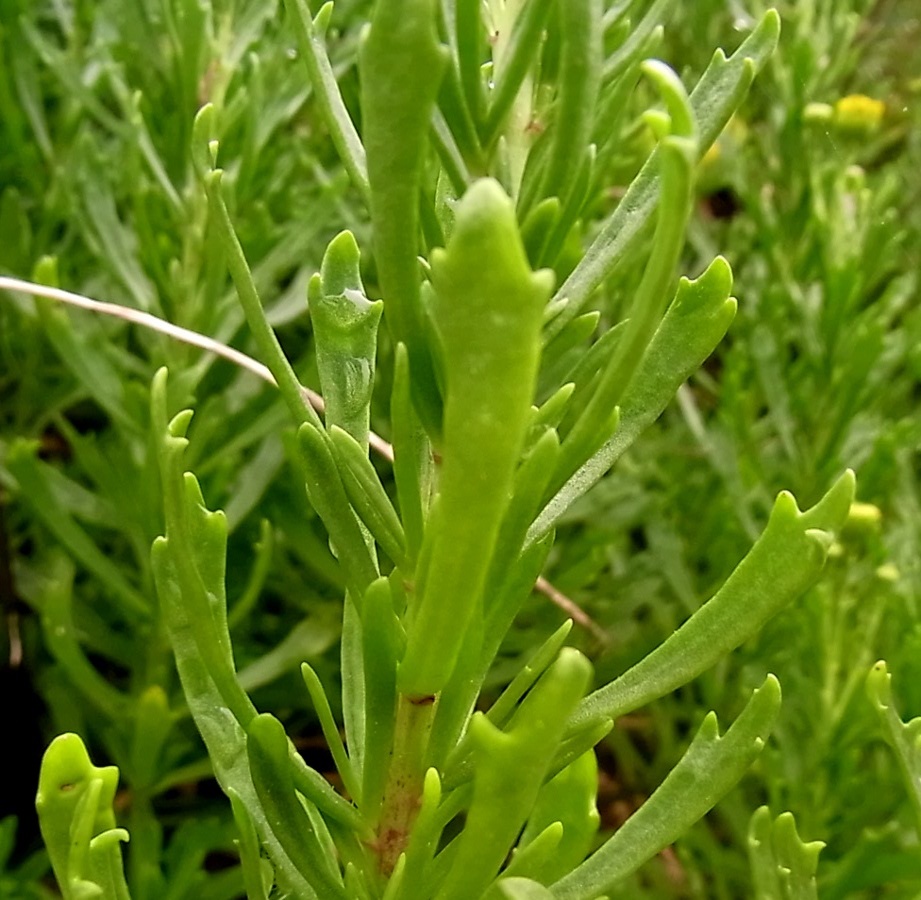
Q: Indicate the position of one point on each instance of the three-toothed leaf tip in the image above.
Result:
(782, 863)
(828, 515)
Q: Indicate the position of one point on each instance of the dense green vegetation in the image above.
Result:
(811, 193)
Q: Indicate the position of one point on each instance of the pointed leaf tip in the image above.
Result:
(831, 512)
(720, 272)
(179, 424)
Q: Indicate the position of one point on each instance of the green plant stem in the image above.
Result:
(269, 348)
(326, 91)
(406, 779)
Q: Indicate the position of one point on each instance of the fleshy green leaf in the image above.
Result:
(677, 152)
(710, 767)
(380, 645)
(570, 798)
(413, 466)
(519, 889)
(509, 768)
(397, 113)
(345, 327)
(257, 871)
(903, 737)
(581, 37)
(783, 563)
(74, 806)
(327, 496)
(267, 748)
(309, 35)
(368, 497)
(188, 567)
(487, 310)
(783, 865)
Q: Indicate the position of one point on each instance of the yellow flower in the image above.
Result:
(859, 113)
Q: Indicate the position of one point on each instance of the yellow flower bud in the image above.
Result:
(858, 113)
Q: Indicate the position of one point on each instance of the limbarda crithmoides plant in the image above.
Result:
(486, 134)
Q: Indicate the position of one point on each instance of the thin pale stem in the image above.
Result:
(572, 609)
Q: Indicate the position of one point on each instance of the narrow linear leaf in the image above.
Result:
(328, 498)
(637, 41)
(425, 835)
(557, 355)
(257, 871)
(470, 40)
(783, 865)
(330, 731)
(783, 563)
(291, 389)
(903, 737)
(509, 768)
(528, 488)
(397, 113)
(352, 673)
(267, 749)
(413, 466)
(579, 81)
(380, 646)
(487, 310)
(551, 411)
(677, 152)
(539, 226)
(708, 770)
(368, 497)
